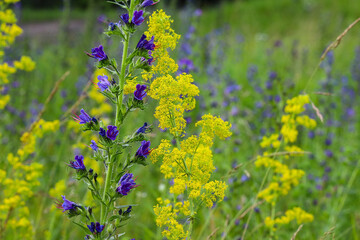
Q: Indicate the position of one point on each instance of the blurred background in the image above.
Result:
(247, 57)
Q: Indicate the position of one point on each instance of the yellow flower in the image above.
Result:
(4, 101)
(293, 214)
(25, 64)
(7, 16)
(58, 189)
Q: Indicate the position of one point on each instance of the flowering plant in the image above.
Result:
(113, 149)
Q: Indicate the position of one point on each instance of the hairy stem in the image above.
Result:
(122, 79)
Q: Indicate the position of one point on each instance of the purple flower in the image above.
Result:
(231, 88)
(112, 132)
(142, 129)
(147, 3)
(137, 18)
(96, 228)
(98, 53)
(311, 134)
(94, 146)
(125, 18)
(145, 44)
(150, 59)
(140, 93)
(78, 164)
(143, 150)
(244, 178)
(186, 65)
(328, 141)
(277, 98)
(272, 75)
(103, 82)
(126, 183)
(66, 205)
(113, 26)
(83, 117)
(198, 12)
(102, 132)
(99, 228)
(234, 111)
(329, 153)
(91, 227)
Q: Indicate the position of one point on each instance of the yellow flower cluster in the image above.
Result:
(290, 121)
(175, 95)
(130, 86)
(272, 141)
(296, 104)
(167, 215)
(165, 38)
(190, 163)
(284, 178)
(8, 32)
(18, 182)
(293, 214)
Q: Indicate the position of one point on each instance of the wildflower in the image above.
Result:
(126, 183)
(94, 146)
(138, 18)
(147, 3)
(67, 205)
(143, 150)
(128, 210)
(113, 26)
(102, 132)
(145, 44)
(140, 93)
(142, 129)
(78, 164)
(83, 117)
(112, 132)
(96, 228)
(125, 18)
(186, 65)
(98, 53)
(103, 82)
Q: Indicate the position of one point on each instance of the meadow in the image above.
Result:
(290, 166)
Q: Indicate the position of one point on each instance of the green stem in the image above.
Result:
(106, 188)
(122, 79)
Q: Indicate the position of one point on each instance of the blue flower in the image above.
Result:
(142, 129)
(112, 132)
(186, 65)
(99, 228)
(78, 164)
(125, 18)
(138, 18)
(96, 228)
(98, 53)
(144, 149)
(102, 132)
(140, 93)
(113, 26)
(103, 82)
(126, 183)
(83, 117)
(67, 205)
(94, 146)
(145, 44)
(147, 3)
(91, 227)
